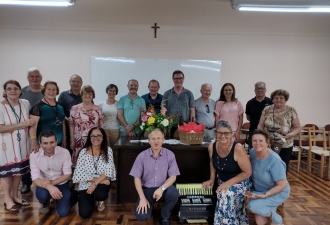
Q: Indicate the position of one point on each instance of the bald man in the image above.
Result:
(205, 110)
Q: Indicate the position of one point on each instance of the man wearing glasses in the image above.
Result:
(255, 106)
(179, 101)
(205, 110)
(130, 109)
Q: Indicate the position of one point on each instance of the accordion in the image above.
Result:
(195, 202)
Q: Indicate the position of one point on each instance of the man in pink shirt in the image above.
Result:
(50, 171)
(154, 172)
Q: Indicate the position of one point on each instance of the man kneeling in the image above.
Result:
(50, 171)
(154, 172)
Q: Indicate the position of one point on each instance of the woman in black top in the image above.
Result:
(233, 168)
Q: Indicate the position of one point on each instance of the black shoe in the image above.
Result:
(25, 189)
(166, 222)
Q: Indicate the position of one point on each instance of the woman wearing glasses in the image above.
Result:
(84, 116)
(230, 163)
(14, 155)
(94, 171)
(229, 108)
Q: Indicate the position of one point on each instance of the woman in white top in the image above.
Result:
(94, 171)
(109, 110)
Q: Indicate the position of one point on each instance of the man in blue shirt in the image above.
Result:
(153, 98)
(130, 109)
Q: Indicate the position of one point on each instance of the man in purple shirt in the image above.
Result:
(154, 172)
(50, 171)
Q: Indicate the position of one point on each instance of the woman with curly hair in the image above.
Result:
(94, 171)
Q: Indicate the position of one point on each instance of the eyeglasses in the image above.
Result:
(96, 136)
(178, 78)
(14, 89)
(223, 133)
(207, 108)
(260, 89)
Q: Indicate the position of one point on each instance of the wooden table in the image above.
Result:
(193, 162)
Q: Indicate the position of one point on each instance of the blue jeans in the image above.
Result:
(63, 205)
(170, 195)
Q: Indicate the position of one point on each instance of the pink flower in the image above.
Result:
(144, 118)
(163, 111)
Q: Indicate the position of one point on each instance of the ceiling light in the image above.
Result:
(60, 3)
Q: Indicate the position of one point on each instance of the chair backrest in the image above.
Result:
(312, 125)
(246, 126)
(317, 136)
(304, 135)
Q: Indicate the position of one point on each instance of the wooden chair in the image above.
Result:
(245, 130)
(318, 154)
(301, 151)
(327, 132)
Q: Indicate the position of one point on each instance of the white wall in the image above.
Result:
(290, 51)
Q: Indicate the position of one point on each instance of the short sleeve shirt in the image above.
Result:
(254, 109)
(266, 172)
(153, 172)
(132, 109)
(283, 119)
(31, 96)
(67, 99)
(179, 104)
(229, 111)
(205, 112)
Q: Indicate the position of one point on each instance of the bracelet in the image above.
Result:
(33, 137)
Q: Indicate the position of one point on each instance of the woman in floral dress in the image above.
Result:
(84, 117)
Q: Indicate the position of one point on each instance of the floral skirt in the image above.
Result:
(229, 209)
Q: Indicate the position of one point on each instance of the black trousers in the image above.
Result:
(285, 155)
(86, 202)
(26, 179)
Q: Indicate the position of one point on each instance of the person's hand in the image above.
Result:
(288, 135)
(131, 133)
(28, 123)
(143, 206)
(223, 187)
(208, 184)
(157, 194)
(129, 128)
(106, 182)
(91, 189)
(34, 146)
(54, 192)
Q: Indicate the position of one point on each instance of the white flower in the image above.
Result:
(143, 124)
(148, 113)
(165, 122)
(141, 127)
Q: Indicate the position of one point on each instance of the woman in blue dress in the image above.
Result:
(270, 186)
(230, 162)
(48, 115)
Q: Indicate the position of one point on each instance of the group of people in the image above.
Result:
(31, 120)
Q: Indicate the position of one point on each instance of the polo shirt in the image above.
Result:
(202, 116)
(157, 102)
(152, 171)
(132, 109)
(254, 109)
(179, 104)
(67, 99)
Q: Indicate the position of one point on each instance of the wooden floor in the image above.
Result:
(309, 203)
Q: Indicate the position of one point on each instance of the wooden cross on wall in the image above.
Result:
(155, 27)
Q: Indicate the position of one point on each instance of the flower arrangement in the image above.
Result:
(191, 133)
(150, 120)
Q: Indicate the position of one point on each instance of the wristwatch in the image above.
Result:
(162, 188)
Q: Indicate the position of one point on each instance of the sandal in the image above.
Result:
(14, 208)
(100, 206)
(22, 203)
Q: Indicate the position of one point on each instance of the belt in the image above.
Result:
(209, 128)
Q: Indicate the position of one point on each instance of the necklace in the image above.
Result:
(57, 121)
(18, 120)
(110, 103)
(97, 162)
(221, 167)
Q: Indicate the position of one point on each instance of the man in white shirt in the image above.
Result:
(50, 171)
